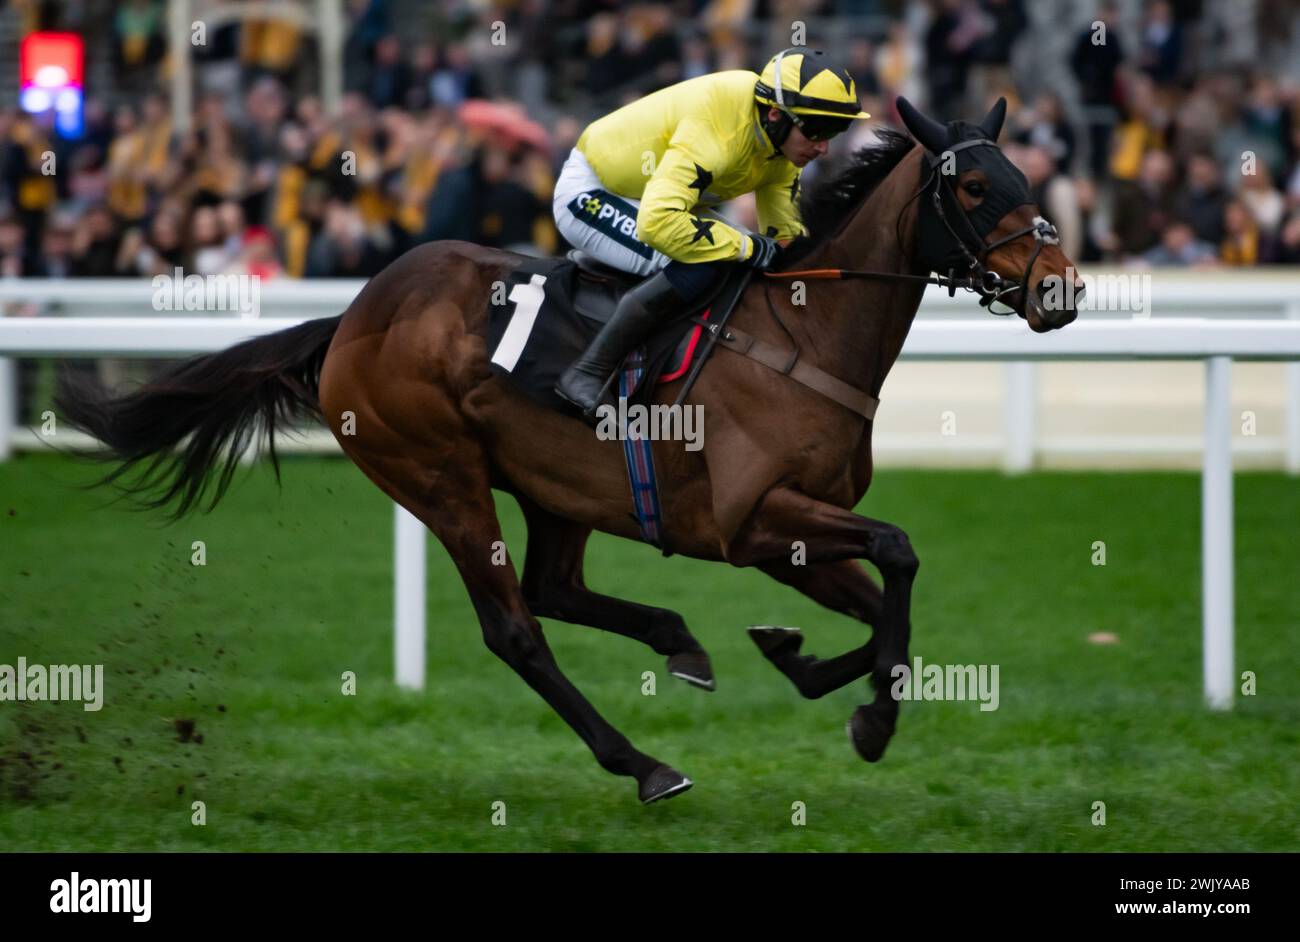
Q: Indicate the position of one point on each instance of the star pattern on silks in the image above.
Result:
(702, 179)
(794, 190)
(702, 227)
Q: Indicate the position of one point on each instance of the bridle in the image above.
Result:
(985, 282)
(977, 276)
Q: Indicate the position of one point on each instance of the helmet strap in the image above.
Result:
(778, 130)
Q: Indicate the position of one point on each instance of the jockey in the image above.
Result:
(637, 190)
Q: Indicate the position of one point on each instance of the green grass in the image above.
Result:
(297, 588)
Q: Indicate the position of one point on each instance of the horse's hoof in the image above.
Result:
(870, 730)
(694, 668)
(774, 640)
(663, 782)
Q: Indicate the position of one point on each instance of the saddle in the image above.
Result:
(553, 307)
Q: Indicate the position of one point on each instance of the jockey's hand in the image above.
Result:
(766, 251)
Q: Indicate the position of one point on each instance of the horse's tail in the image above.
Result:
(187, 429)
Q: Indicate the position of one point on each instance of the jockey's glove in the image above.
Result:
(766, 251)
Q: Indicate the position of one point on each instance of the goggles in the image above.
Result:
(820, 127)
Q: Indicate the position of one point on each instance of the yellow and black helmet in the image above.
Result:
(819, 97)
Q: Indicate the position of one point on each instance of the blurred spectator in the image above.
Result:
(55, 259)
(898, 64)
(1288, 247)
(390, 77)
(862, 66)
(949, 49)
(1098, 54)
(342, 249)
(28, 175)
(95, 244)
(1043, 124)
(257, 255)
(1141, 130)
(138, 40)
(1097, 241)
(155, 250)
(210, 255)
(1242, 243)
(1264, 202)
(1145, 207)
(1162, 43)
(1267, 123)
(269, 47)
(455, 79)
(419, 85)
(1179, 247)
(697, 58)
(1000, 29)
(15, 260)
(1203, 199)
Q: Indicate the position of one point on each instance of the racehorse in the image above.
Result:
(403, 380)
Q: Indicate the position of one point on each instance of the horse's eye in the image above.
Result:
(974, 188)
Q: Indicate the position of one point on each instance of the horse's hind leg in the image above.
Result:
(452, 497)
(842, 587)
(554, 588)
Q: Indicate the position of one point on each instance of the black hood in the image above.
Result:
(1007, 189)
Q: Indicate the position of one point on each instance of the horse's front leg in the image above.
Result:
(842, 587)
(829, 533)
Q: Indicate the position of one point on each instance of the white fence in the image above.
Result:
(1216, 342)
(1032, 414)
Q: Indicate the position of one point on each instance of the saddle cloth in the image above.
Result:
(548, 310)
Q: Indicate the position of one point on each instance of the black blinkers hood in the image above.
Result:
(955, 147)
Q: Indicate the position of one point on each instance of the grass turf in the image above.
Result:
(297, 590)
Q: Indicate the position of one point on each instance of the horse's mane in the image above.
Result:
(826, 206)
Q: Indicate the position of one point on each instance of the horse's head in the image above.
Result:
(977, 218)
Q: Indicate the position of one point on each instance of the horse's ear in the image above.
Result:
(992, 123)
(932, 135)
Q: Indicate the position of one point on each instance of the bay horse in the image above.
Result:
(437, 431)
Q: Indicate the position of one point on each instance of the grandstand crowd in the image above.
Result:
(1148, 152)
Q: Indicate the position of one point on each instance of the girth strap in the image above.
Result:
(787, 363)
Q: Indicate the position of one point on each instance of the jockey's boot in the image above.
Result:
(639, 312)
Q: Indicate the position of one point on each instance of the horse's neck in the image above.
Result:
(856, 327)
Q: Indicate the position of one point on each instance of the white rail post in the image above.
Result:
(1216, 535)
(332, 29)
(1021, 416)
(408, 599)
(182, 52)
(1291, 407)
(8, 406)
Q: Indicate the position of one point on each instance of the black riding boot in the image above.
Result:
(638, 313)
